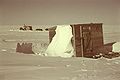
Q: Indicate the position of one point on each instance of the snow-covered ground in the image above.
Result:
(16, 66)
(9, 38)
(34, 67)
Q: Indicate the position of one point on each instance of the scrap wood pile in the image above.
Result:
(106, 51)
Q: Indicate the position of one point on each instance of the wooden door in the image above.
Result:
(87, 43)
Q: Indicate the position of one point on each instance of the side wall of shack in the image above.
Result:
(51, 33)
(87, 37)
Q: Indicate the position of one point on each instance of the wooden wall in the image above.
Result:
(86, 37)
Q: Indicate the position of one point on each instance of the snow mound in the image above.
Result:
(116, 47)
(61, 43)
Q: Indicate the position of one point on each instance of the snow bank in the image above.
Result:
(116, 47)
(61, 43)
(39, 48)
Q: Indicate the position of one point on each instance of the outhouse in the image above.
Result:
(86, 38)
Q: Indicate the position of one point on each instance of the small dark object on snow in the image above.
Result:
(25, 27)
(39, 29)
(46, 29)
(21, 28)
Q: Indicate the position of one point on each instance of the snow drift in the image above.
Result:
(116, 47)
(61, 43)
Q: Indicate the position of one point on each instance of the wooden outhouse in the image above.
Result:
(86, 38)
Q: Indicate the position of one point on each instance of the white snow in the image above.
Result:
(3, 50)
(16, 66)
(34, 67)
(116, 47)
(39, 48)
(61, 43)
